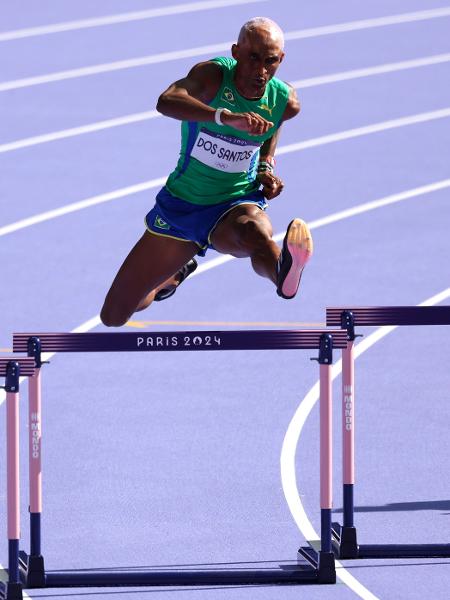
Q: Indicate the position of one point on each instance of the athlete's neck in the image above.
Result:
(246, 93)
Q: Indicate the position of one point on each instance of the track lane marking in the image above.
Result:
(213, 48)
(291, 440)
(174, 9)
(154, 183)
(423, 61)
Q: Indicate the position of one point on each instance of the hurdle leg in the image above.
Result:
(324, 559)
(32, 565)
(12, 589)
(326, 566)
(344, 537)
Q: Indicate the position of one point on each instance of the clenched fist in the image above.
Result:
(272, 185)
(250, 122)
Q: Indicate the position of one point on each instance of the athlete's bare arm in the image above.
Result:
(273, 185)
(187, 100)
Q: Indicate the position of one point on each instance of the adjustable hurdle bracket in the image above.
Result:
(322, 562)
(34, 349)
(32, 570)
(348, 323)
(11, 591)
(345, 543)
(12, 377)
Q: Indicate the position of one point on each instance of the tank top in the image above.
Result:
(218, 163)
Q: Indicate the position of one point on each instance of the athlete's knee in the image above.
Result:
(114, 315)
(253, 236)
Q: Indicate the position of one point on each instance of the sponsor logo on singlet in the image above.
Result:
(160, 223)
(224, 152)
(266, 108)
(228, 95)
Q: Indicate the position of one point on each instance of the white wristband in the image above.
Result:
(217, 114)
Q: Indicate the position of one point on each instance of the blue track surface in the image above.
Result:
(174, 459)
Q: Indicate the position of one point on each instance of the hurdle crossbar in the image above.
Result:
(312, 567)
(345, 541)
(11, 369)
(177, 340)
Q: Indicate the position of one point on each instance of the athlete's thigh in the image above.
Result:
(227, 236)
(152, 260)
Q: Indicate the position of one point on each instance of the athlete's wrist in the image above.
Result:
(266, 165)
(218, 115)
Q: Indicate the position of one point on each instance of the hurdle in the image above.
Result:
(345, 542)
(11, 369)
(311, 566)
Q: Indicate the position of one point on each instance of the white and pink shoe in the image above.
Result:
(297, 250)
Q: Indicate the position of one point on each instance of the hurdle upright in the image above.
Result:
(11, 369)
(312, 567)
(345, 536)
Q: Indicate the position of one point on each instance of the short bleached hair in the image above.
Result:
(261, 23)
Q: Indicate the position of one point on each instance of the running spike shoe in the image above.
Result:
(295, 253)
(184, 272)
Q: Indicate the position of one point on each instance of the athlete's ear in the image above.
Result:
(281, 57)
(235, 51)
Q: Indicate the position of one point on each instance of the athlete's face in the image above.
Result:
(258, 57)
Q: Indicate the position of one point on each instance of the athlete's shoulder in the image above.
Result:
(280, 86)
(225, 62)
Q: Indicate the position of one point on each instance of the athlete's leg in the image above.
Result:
(150, 266)
(246, 231)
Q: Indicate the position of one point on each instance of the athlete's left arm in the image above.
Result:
(273, 185)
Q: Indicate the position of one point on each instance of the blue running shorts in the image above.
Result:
(176, 218)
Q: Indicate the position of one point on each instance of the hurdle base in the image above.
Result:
(10, 591)
(344, 540)
(288, 575)
(32, 571)
(404, 551)
(322, 562)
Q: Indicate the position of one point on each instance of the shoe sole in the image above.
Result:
(168, 292)
(298, 242)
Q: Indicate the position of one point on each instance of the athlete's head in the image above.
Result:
(258, 52)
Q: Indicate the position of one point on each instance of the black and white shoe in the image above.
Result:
(297, 250)
(184, 272)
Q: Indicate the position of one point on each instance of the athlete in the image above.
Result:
(231, 111)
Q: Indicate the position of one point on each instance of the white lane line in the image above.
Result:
(291, 440)
(154, 183)
(214, 48)
(83, 129)
(75, 206)
(300, 83)
(174, 9)
(424, 61)
(367, 130)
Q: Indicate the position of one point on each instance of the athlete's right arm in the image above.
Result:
(187, 100)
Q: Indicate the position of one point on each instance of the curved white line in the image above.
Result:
(424, 61)
(174, 9)
(223, 46)
(153, 183)
(291, 440)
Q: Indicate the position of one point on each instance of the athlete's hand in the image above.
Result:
(250, 122)
(272, 185)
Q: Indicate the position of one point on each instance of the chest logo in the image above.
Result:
(266, 108)
(228, 95)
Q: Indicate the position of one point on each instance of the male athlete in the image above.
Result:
(231, 111)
